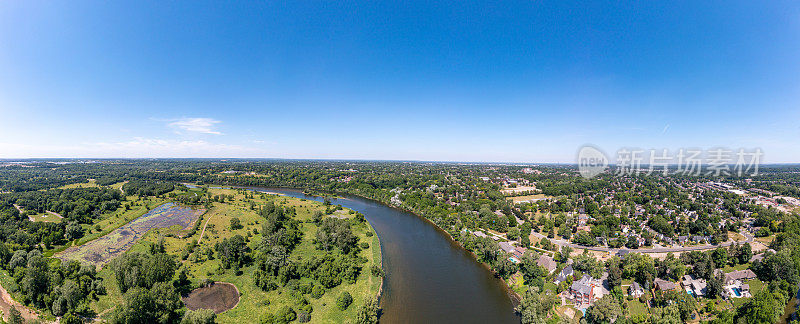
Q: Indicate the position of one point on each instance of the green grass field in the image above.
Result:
(46, 217)
(636, 307)
(736, 267)
(253, 301)
(90, 184)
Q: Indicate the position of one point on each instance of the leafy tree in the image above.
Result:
(71, 318)
(236, 223)
(763, 308)
(745, 253)
(200, 316)
(665, 315)
(368, 312)
(605, 310)
(534, 306)
(15, 317)
(344, 300)
(714, 287)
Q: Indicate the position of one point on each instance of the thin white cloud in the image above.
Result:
(138, 147)
(196, 125)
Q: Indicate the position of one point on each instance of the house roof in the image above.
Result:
(740, 275)
(664, 285)
(583, 286)
(547, 263)
(506, 246)
(566, 272)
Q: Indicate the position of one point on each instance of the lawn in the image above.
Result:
(90, 184)
(520, 199)
(736, 267)
(255, 302)
(46, 217)
(755, 286)
(636, 307)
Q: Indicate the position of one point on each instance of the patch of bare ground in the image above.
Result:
(219, 297)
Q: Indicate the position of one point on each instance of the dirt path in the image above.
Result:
(204, 229)
(54, 214)
(6, 302)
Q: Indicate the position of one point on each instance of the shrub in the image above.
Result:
(317, 291)
(344, 300)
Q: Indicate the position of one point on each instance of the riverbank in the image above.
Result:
(430, 277)
(515, 298)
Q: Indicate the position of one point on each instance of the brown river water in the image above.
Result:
(429, 277)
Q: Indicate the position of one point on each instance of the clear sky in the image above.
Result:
(526, 81)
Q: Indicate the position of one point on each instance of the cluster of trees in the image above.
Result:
(81, 205)
(18, 232)
(488, 251)
(61, 289)
(337, 263)
(233, 252)
(147, 188)
(150, 294)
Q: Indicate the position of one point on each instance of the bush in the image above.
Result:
(317, 292)
(344, 300)
(377, 271)
(285, 315)
(200, 316)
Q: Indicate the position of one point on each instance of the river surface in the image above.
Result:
(429, 277)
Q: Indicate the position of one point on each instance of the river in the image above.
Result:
(429, 277)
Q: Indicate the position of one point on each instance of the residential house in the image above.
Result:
(564, 274)
(664, 285)
(547, 262)
(694, 286)
(507, 247)
(583, 291)
(518, 252)
(635, 290)
(739, 275)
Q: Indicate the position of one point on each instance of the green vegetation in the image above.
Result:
(294, 259)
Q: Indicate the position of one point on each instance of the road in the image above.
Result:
(561, 242)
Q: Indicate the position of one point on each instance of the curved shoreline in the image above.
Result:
(513, 296)
(374, 232)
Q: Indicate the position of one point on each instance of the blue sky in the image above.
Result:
(526, 81)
